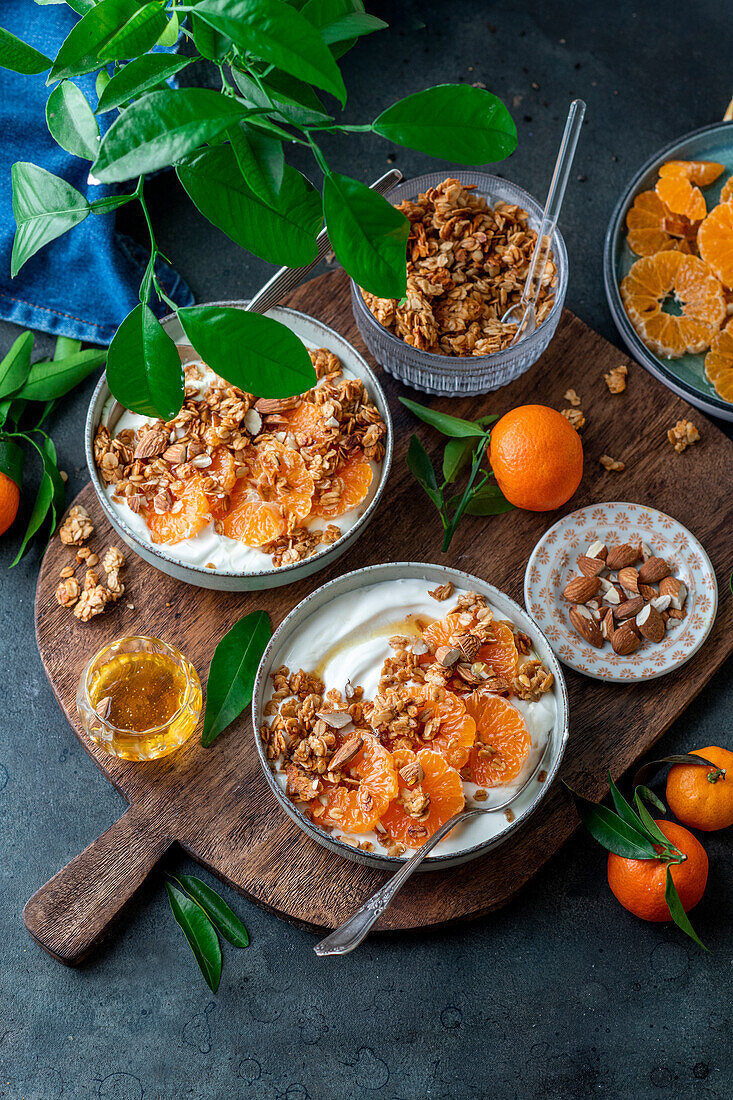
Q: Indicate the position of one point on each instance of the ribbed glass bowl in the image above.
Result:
(468, 374)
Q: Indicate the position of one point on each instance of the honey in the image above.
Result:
(139, 698)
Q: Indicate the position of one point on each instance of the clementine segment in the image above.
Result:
(639, 884)
(701, 172)
(456, 729)
(306, 421)
(715, 241)
(443, 794)
(701, 796)
(503, 741)
(251, 520)
(349, 486)
(537, 457)
(726, 195)
(358, 809)
(651, 281)
(502, 653)
(652, 227)
(9, 501)
(719, 362)
(193, 515)
(682, 197)
(281, 475)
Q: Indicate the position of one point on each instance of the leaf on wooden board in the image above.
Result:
(232, 673)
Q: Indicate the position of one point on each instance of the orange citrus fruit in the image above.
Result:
(456, 730)
(537, 457)
(442, 785)
(281, 474)
(703, 797)
(682, 197)
(251, 520)
(187, 521)
(222, 468)
(654, 279)
(502, 739)
(639, 884)
(652, 227)
(306, 420)
(726, 195)
(501, 653)
(9, 501)
(715, 241)
(701, 172)
(351, 481)
(358, 809)
(719, 362)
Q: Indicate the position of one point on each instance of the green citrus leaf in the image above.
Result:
(139, 76)
(109, 203)
(169, 37)
(161, 128)
(295, 102)
(210, 44)
(137, 34)
(611, 831)
(200, 933)
(283, 233)
(454, 122)
(19, 57)
(144, 370)
(368, 235)
(625, 810)
(82, 49)
(41, 508)
(276, 32)
(488, 501)
(16, 364)
(219, 913)
(676, 758)
(71, 121)
(254, 352)
(47, 381)
(44, 207)
(51, 469)
(418, 460)
(65, 346)
(354, 25)
(260, 159)
(448, 425)
(676, 910)
(11, 460)
(646, 818)
(456, 456)
(232, 673)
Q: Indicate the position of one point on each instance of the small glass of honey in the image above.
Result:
(139, 698)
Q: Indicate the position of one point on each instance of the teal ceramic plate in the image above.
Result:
(686, 376)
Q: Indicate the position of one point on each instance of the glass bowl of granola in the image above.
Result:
(241, 493)
(398, 694)
(470, 245)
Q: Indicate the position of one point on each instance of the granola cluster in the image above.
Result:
(466, 265)
(355, 764)
(90, 597)
(223, 435)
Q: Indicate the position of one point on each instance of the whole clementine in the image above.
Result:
(9, 501)
(537, 457)
(703, 797)
(639, 884)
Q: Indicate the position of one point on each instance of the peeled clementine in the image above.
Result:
(537, 457)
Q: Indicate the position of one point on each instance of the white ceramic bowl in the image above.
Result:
(476, 838)
(315, 334)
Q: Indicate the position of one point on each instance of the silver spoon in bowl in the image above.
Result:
(356, 927)
(524, 314)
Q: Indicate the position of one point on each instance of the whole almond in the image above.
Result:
(586, 626)
(590, 567)
(447, 655)
(651, 623)
(629, 578)
(625, 639)
(581, 589)
(670, 586)
(621, 556)
(629, 608)
(653, 570)
(267, 405)
(346, 753)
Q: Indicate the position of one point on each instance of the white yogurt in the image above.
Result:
(208, 549)
(348, 639)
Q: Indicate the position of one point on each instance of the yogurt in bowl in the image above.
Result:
(239, 492)
(396, 695)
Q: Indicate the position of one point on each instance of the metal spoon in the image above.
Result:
(355, 928)
(523, 314)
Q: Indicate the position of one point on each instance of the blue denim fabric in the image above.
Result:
(84, 283)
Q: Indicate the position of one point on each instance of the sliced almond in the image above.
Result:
(583, 621)
(646, 551)
(346, 753)
(661, 603)
(650, 623)
(607, 624)
(590, 567)
(597, 549)
(153, 442)
(411, 773)
(581, 589)
(677, 615)
(447, 655)
(648, 591)
(469, 645)
(613, 596)
(267, 405)
(653, 570)
(336, 719)
(176, 454)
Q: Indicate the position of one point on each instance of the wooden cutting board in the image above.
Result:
(214, 802)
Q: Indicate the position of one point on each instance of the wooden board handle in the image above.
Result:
(73, 910)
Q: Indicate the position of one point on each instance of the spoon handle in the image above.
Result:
(555, 196)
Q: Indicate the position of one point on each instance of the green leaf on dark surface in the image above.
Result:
(232, 673)
(611, 831)
(456, 456)
(200, 933)
(219, 913)
(452, 426)
(276, 32)
(488, 501)
(368, 235)
(17, 363)
(455, 122)
(44, 207)
(284, 233)
(675, 758)
(624, 809)
(354, 25)
(418, 460)
(676, 909)
(137, 34)
(260, 159)
(51, 470)
(47, 381)
(41, 507)
(646, 818)
(295, 102)
(139, 76)
(71, 121)
(65, 346)
(162, 127)
(144, 370)
(11, 460)
(82, 49)
(254, 352)
(19, 57)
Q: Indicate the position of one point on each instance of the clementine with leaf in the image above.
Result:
(537, 457)
(701, 796)
(640, 884)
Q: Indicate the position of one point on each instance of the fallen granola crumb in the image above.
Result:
(67, 571)
(683, 435)
(613, 464)
(575, 416)
(77, 527)
(113, 560)
(572, 397)
(67, 592)
(616, 378)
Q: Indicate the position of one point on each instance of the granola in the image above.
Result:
(683, 435)
(466, 265)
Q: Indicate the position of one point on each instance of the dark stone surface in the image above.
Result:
(562, 994)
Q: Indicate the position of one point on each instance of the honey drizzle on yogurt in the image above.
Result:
(411, 626)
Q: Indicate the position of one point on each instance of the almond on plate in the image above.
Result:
(581, 589)
(653, 570)
(651, 623)
(621, 556)
(586, 626)
(625, 639)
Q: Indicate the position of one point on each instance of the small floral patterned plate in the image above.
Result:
(553, 562)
